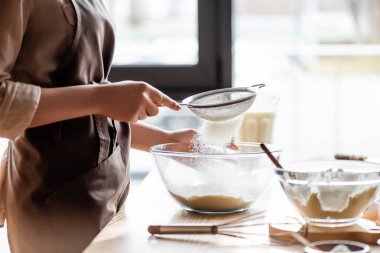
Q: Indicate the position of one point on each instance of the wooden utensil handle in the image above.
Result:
(350, 157)
(182, 229)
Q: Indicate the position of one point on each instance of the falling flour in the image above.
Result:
(214, 137)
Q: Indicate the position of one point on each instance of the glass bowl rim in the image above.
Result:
(376, 172)
(157, 150)
(305, 162)
(311, 248)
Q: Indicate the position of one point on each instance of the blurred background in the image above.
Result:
(321, 58)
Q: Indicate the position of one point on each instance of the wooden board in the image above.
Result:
(363, 231)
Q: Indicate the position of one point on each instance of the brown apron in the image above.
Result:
(64, 181)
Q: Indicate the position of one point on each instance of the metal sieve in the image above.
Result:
(222, 104)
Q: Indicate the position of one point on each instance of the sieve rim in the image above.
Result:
(191, 99)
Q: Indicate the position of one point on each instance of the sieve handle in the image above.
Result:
(185, 104)
(258, 86)
(350, 157)
(182, 229)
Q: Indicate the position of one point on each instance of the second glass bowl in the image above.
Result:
(330, 193)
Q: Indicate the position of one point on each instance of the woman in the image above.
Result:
(65, 172)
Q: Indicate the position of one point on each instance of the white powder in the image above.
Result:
(332, 197)
(341, 248)
(223, 113)
(215, 136)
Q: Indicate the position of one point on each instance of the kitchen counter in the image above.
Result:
(151, 204)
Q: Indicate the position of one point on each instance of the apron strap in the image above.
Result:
(104, 139)
(107, 133)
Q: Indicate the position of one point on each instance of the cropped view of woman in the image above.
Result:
(65, 172)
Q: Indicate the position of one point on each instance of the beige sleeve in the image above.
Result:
(18, 105)
(3, 165)
(18, 101)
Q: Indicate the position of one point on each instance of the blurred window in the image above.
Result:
(160, 32)
(322, 58)
(171, 44)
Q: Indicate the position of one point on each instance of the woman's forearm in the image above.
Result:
(144, 136)
(127, 101)
(57, 104)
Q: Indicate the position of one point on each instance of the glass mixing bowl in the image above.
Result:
(330, 193)
(222, 181)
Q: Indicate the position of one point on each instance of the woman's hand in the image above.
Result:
(184, 136)
(145, 136)
(131, 101)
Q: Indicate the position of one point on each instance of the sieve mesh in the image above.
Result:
(223, 104)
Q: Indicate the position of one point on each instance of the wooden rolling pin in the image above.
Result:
(357, 158)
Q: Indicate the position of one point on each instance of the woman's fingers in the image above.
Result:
(148, 110)
(161, 99)
(142, 115)
(151, 109)
(168, 102)
(233, 146)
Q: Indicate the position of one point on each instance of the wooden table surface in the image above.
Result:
(151, 204)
